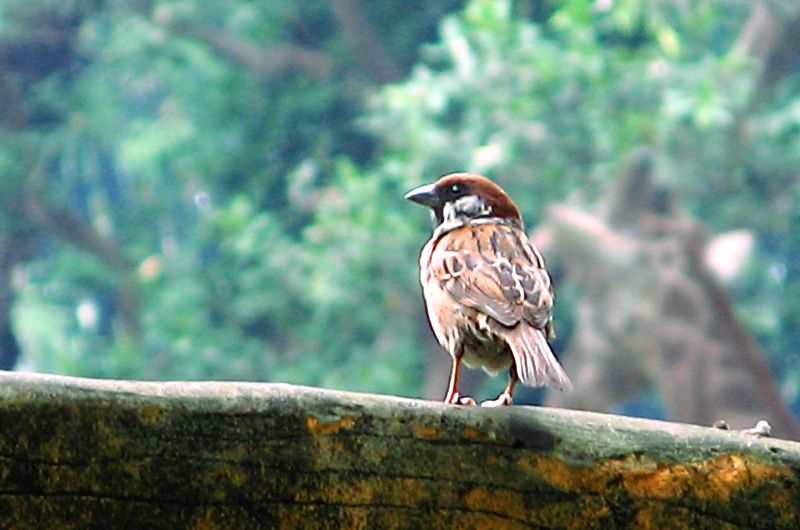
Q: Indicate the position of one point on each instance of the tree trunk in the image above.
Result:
(80, 453)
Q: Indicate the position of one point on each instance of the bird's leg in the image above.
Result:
(452, 397)
(504, 399)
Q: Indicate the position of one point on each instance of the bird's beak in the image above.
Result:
(424, 195)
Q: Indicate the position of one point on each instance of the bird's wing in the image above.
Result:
(494, 269)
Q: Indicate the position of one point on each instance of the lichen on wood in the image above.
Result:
(80, 453)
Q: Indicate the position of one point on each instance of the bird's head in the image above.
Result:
(459, 198)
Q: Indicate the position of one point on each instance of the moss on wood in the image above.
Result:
(80, 453)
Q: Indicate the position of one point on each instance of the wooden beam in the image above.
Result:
(82, 453)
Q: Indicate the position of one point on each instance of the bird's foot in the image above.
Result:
(457, 399)
(762, 428)
(503, 400)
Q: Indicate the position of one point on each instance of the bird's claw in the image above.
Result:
(457, 399)
(503, 400)
(762, 428)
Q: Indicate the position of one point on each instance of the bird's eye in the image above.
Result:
(455, 189)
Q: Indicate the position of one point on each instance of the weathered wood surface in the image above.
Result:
(81, 453)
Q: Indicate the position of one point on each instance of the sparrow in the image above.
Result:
(487, 293)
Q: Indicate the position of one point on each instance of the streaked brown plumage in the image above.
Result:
(487, 292)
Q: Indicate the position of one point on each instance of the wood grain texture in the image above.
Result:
(81, 453)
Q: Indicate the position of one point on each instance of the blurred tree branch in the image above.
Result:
(771, 35)
(66, 225)
(367, 48)
(15, 248)
(264, 63)
(669, 324)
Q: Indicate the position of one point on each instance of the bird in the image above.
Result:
(487, 293)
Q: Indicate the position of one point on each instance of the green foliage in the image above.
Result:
(263, 212)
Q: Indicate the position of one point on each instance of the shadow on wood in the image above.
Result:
(82, 453)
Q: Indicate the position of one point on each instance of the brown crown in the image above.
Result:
(492, 194)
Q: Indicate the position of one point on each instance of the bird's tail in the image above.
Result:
(535, 361)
